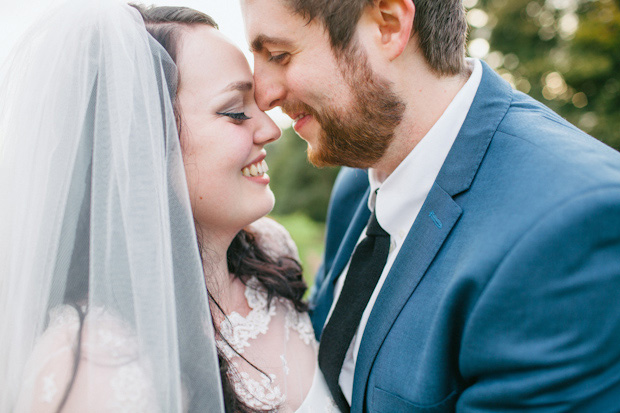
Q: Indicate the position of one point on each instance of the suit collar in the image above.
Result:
(487, 111)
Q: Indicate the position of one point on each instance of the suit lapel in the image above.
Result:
(325, 295)
(435, 221)
(431, 228)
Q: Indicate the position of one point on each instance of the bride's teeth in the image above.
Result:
(256, 169)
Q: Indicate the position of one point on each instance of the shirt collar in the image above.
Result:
(402, 194)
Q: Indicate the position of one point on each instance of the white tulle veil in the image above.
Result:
(95, 213)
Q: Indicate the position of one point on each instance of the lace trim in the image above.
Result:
(299, 322)
(237, 332)
(260, 395)
(131, 390)
(109, 337)
(49, 388)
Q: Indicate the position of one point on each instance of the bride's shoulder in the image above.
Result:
(103, 336)
(47, 372)
(93, 347)
(274, 238)
(57, 343)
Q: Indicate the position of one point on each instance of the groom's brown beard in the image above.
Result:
(360, 135)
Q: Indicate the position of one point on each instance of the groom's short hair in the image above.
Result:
(439, 24)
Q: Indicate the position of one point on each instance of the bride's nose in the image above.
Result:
(267, 131)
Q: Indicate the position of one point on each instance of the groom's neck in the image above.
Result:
(426, 96)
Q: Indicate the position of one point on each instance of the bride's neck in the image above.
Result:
(220, 282)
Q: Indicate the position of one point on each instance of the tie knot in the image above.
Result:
(374, 229)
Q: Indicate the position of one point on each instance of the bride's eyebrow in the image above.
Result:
(241, 86)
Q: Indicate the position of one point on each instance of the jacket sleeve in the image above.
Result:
(544, 334)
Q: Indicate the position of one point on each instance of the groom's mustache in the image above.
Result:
(294, 109)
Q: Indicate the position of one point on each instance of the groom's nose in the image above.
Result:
(269, 86)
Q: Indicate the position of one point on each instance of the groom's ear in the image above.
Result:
(394, 20)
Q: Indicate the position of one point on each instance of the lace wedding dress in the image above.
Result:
(274, 356)
(271, 346)
(277, 340)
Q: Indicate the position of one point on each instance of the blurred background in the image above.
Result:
(564, 53)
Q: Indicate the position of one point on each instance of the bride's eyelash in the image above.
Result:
(239, 116)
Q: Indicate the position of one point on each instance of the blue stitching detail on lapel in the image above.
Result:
(436, 220)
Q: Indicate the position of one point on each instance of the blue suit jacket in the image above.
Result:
(505, 295)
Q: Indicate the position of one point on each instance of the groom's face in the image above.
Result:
(345, 111)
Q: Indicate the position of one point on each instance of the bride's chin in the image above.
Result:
(260, 213)
(262, 204)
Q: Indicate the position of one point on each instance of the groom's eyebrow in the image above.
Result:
(258, 44)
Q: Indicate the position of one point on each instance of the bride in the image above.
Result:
(131, 168)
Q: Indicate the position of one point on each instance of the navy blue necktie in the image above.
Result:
(365, 269)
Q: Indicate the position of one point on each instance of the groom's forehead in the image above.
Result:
(274, 23)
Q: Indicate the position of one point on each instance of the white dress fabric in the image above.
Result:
(271, 346)
(109, 355)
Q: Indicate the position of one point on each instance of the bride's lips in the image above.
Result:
(256, 170)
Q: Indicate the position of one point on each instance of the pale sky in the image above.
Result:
(17, 15)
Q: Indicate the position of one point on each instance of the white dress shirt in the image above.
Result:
(401, 196)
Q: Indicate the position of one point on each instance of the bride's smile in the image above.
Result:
(257, 169)
(223, 133)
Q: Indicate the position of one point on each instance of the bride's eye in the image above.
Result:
(237, 116)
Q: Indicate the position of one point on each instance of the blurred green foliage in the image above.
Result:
(308, 236)
(302, 193)
(565, 53)
(298, 186)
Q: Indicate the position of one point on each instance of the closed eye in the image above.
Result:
(237, 116)
(278, 58)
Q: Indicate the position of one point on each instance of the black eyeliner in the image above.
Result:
(235, 115)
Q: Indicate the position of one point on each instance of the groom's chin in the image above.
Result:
(316, 158)
(323, 156)
(320, 156)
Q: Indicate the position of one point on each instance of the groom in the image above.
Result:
(476, 266)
